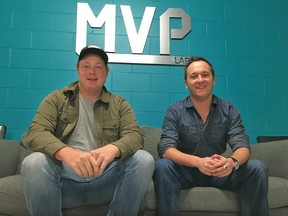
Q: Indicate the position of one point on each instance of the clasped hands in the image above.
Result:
(216, 165)
(90, 164)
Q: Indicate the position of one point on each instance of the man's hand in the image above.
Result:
(87, 164)
(83, 163)
(104, 156)
(205, 165)
(223, 166)
(216, 165)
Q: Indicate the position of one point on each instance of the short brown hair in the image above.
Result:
(198, 58)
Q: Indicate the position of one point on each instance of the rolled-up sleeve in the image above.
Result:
(237, 138)
(170, 134)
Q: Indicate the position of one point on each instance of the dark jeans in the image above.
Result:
(250, 180)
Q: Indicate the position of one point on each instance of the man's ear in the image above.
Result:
(185, 83)
(77, 68)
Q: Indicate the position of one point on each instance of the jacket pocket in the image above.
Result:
(111, 131)
(62, 123)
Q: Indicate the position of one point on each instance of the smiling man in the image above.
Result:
(88, 147)
(196, 131)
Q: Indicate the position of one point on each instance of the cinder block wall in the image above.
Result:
(247, 41)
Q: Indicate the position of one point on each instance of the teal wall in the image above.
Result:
(246, 40)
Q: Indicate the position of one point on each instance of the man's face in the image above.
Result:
(200, 80)
(92, 72)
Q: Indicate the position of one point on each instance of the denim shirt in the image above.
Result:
(184, 130)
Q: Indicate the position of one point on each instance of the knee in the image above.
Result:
(166, 174)
(38, 164)
(163, 167)
(163, 164)
(259, 167)
(145, 160)
(31, 167)
(33, 161)
(38, 168)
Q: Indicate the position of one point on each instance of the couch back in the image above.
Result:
(9, 157)
(274, 155)
(151, 138)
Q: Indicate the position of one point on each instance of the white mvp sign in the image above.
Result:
(137, 39)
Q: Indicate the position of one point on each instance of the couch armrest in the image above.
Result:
(274, 155)
(9, 157)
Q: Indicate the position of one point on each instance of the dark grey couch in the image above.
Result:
(197, 201)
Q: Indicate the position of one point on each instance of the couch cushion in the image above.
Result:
(200, 199)
(9, 155)
(12, 200)
(217, 200)
(86, 210)
(278, 192)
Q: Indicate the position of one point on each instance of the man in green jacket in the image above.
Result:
(88, 147)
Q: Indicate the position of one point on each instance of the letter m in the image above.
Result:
(86, 16)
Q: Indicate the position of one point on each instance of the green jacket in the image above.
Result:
(58, 113)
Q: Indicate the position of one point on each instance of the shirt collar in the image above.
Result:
(189, 104)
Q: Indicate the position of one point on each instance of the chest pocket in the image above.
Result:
(62, 120)
(111, 131)
(189, 136)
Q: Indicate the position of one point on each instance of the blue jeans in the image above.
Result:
(250, 180)
(49, 185)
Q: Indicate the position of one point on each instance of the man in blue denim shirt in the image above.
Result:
(196, 131)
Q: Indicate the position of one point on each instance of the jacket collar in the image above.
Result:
(72, 90)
